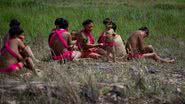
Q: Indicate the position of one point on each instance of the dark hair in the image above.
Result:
(61, 23)
(144, 29)
(86, 22)
(14, 22)
(107, 20)
(114, 26)
(15, 31)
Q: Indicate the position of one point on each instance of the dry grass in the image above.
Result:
(92, 81)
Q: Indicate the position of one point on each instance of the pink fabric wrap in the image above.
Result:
(11, 68)
(67, 53)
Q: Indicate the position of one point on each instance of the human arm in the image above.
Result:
(22, 49)
(141, 44)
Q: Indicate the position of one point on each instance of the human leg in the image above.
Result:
(76, 55)
(12, 68)
(148, 49)
(28, 63)
(30, 53)
(157, 58)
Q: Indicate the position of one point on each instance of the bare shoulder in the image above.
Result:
(19, 40)
(20, 43)
(66, 33)
(136, 34)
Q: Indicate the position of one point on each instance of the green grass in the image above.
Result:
(164, 18)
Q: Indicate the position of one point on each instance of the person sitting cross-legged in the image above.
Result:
(60, 42)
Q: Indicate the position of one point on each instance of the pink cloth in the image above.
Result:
(101, 39)
(11, 68)
(65, 55)
(90, 52)
(89, 35)
(135, 55)
(7, 47)
(58, 33)
(111, 44)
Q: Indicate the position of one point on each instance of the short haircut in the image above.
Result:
(61, 23)
(14, 22)
(87, 21)
(15, 31)
(114, 26)
(107, 20)
(144, 29)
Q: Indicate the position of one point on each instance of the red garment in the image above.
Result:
(67, 54)
(135, 55)
(11, 67)
(101, 39)
(89, 36)
(87, 53)
(111, 44)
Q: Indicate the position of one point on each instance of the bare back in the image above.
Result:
(6, 58)
(134, 43)
(57, 47)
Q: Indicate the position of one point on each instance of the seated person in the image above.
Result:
(16, 23)
(86, 42)
(119, 45)
(60, 42)
(75, 34)
(136, 49)
(13, 23)
(14, 55)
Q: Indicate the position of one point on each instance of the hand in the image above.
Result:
(100, 45)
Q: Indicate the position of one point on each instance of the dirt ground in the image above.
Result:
(95, 81)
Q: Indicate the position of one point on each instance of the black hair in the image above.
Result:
(107, 20)
(15, 31)
(114, 26)
(14, 22)
(144, 29)
(87, 21)
(61, 23)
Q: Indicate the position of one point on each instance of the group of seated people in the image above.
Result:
(66, 46)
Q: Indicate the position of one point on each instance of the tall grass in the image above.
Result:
(164, 18)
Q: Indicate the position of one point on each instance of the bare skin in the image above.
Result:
(22, 37)
(119, 45)
(58, 48)
(85, 42)
(88, 45)
(135, 44)
(17, 46)
(73, 35)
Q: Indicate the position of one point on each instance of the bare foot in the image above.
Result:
(26, 75)
(172, 61)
